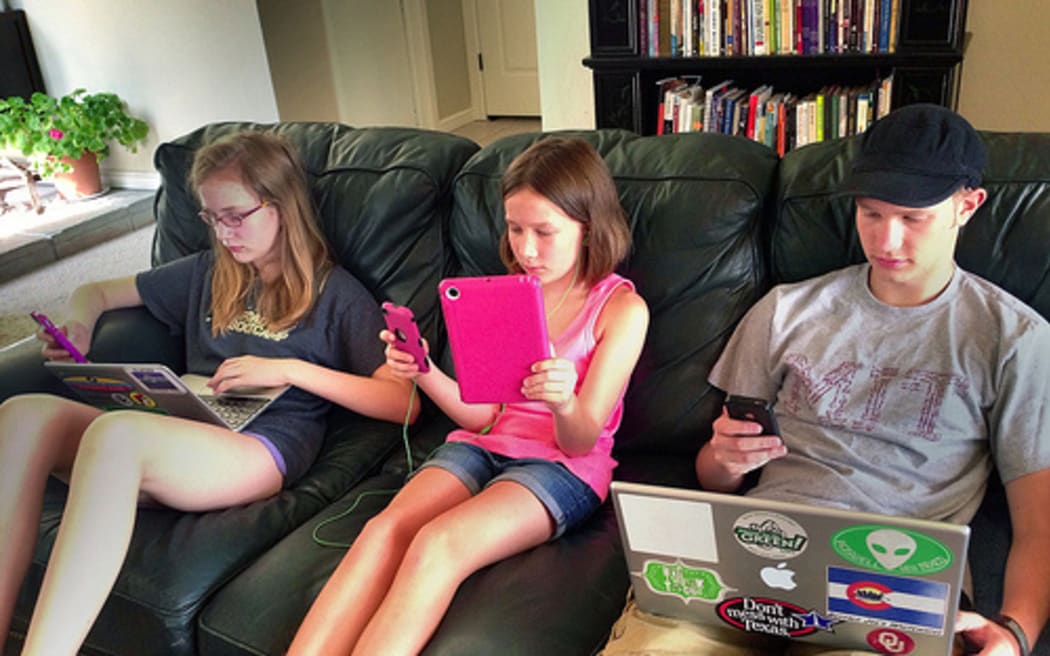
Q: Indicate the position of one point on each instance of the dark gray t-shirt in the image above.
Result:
(898, 410)
(341, 332)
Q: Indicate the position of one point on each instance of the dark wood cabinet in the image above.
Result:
(925, 66)
(19, 71)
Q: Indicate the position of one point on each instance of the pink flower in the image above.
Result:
(55, 134)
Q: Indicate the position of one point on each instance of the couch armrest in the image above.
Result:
(22, 371)
(134, 335)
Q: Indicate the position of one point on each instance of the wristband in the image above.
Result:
(1011, 625)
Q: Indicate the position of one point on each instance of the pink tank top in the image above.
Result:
(526, 430)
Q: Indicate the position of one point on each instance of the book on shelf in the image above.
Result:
(782, 121)
(694, 28)
(663, 27)
(710, 96)
(643, 28)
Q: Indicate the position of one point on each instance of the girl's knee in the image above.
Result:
(25, 421)
(437, 545)
(114, 435)
(26, 408)
(389, 527)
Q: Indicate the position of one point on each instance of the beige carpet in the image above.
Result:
(48, 289)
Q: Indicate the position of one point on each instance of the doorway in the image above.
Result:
(507, 57)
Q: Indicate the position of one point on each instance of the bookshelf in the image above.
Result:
(925, 64)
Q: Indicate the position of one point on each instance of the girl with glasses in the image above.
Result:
(265, 306)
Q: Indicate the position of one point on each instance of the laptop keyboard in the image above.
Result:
(235, 410)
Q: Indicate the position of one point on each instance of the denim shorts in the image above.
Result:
(569, 500)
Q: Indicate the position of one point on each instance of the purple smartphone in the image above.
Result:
(62, 340)
(399, 320)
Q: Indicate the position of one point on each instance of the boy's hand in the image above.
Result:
(739, 447)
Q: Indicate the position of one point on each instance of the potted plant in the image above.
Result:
(59, 136)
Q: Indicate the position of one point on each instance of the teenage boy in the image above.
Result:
(898, 384)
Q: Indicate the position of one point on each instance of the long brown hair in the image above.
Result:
(268, 165)
(570, 173)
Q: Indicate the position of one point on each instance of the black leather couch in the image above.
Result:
(716, 221)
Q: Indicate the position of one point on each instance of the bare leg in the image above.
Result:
(183, 464)
(39, 434)
(358, 585)
(503, 520)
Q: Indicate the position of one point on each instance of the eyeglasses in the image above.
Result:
(232, 220)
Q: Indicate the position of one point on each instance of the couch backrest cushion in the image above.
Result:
(383, 197)
(1006, 242)
(695, 203)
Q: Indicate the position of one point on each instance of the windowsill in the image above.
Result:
(29, 241)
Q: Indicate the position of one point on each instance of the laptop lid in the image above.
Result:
(829, 576)
(156, 388)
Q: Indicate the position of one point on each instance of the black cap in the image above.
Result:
(916, 156)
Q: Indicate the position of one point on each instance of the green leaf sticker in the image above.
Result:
(891, 549)
(683, 581)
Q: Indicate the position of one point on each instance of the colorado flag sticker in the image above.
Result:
(870, 598)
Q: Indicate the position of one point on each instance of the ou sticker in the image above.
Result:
(891, 641)
(891, 549)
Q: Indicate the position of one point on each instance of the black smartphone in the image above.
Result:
(749, 408)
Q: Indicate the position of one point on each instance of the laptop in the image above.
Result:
(839, 578)
(156, 388)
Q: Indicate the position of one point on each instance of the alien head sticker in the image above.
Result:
(770, 535)
(680, 580)
(886, 549)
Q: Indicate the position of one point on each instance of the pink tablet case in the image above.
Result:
(497, 329)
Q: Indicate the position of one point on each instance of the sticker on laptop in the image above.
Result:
(688, 583)
(157, 381)
(773, 617)
(770, 535)
(896, 550)
(97, 384)
(915, 605)
(779, 577)
(891, 641)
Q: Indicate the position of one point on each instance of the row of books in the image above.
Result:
(782, 121)
(695, 28)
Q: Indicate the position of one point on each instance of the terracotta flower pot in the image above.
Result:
(84, 180)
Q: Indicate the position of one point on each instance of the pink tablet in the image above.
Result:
(496, 329)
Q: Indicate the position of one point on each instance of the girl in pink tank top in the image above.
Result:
(509, 478)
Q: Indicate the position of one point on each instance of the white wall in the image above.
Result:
(1005, 78)
(300, 63)
(566, 86)
(178, 65)
(370, 66)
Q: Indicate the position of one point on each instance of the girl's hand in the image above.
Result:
(76, 332)
(738, 446)
(250, 371)
(552, 381)
(401, 363)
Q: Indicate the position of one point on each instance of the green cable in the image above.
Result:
(408, 455)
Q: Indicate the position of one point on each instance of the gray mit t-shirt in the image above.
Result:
(898, 410)
(341, 332)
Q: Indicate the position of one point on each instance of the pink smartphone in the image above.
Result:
(496, 329)
(401, 322)
(62, 340)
